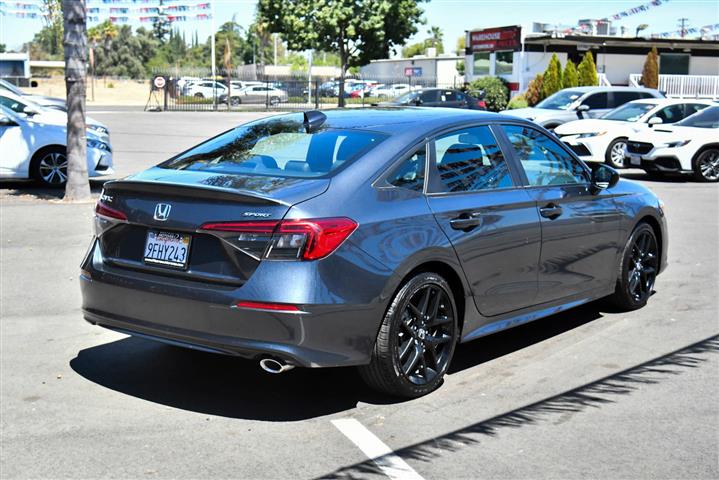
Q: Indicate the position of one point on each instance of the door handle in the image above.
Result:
(550, 211)
(466, 221)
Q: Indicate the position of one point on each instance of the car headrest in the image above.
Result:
(297, 166)
(468, 138)
(462, 152)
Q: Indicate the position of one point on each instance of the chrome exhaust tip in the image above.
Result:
(271, 365)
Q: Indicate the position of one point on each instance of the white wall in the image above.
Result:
(618, 67)
(704, 66)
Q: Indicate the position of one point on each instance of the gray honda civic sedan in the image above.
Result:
(376, 238)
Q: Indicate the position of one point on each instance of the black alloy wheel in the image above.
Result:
(640, 265)
(50, 166)
(416, 340)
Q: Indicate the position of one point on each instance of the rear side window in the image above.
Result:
(470, 160)
(692, 108)
(277, 147)
(620, 98)
(410, 173)
(597, 101)
(544, 161)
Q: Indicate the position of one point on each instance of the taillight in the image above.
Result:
(104, 210)
(274, 307)
(482, 104)
(288, 239)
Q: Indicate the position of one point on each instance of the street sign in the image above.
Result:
(412, 71)
(159, 83)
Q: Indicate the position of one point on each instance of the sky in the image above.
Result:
(452, 16)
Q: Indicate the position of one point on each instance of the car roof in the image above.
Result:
(423, 119)
(672, 101)
(610, 89)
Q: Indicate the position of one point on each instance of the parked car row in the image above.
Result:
(33, 142)
(634, 127)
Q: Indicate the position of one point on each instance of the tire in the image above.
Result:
(415, 343)
(614, 156)
(274, 100)
(199, 95)
(638, 269)
(49, 166)
(706, 165)
(234, 101)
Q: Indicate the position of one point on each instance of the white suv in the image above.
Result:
(205, 89)
(691, 145)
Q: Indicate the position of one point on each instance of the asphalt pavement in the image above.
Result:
(589, 393)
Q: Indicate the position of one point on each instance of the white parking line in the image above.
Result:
(390, 464)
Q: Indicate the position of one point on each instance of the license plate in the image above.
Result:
(167, 248)
(635, 160)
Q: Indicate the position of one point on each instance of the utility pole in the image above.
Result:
(683, 24)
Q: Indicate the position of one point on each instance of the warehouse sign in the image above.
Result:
(492, 39)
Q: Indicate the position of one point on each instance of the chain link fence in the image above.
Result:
(196, 90)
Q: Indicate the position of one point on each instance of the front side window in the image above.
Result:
(14, 105)
(503, 63)
(670, 114)
(480, 63)
(544, 161)
(410, 173)
(470, 160)
(277, 147)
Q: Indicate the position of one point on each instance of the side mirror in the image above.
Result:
(29, 111)
(581, 110)
(6, 121)
(603, 177)
(654, 121)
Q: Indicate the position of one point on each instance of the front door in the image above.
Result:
(580, 229)
(492, 225)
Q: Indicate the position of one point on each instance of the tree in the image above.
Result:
(587, 71)
(420, 48)
(461, 45)
(571, 77)
(3, 48)
(358, 30)
(552, 81)
(496, 93)
(413, 49)
(75, 45)
(534, 90)
(161, 26)
(650, 72)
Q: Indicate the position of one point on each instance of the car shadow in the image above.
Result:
(35, 190)
(236, 388)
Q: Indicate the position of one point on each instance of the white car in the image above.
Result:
(204, 89)
(604, 139)
(394, 90)
(691, 145)
(34, 146)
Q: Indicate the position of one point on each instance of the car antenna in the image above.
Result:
(313, 120)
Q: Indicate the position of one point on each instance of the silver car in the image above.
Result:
(581, 102)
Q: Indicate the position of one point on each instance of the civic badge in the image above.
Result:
(162, 211)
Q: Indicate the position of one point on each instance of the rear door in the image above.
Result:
(493, 226)
(598, 104)
(580, 229)
(448, 98)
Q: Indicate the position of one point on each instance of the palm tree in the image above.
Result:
(75, 43)
(103, 33)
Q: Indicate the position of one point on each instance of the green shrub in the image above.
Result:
(588, 71)
(570, 78)
(518, 101)
(496, 92)
(552, 81)
(650, 72)
(110, 85)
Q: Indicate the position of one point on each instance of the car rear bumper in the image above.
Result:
(203, 316)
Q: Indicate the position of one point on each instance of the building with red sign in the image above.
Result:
(518, 53)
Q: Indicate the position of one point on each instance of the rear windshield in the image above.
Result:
(278, 147)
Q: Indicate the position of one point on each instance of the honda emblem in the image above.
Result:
(162, 211)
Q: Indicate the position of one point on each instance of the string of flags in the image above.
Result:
(688, 31)
(620, 15)
(100, 10)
